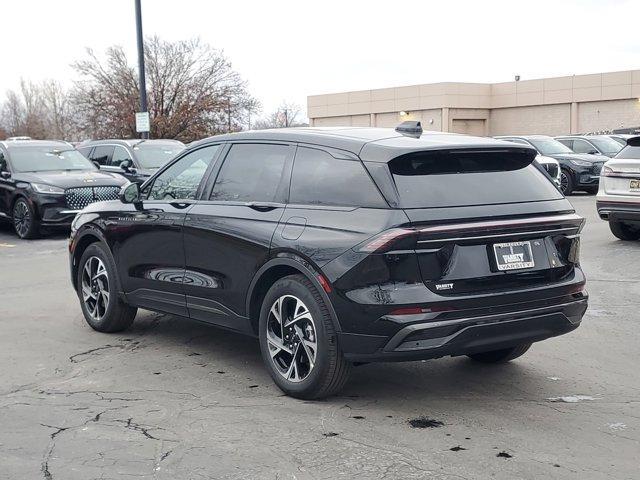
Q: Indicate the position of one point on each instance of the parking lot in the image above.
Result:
(174, 399)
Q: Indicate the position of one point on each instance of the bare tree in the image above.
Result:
(287, 115)
(39, 110)
(193, 92)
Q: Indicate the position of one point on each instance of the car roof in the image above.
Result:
(382, 143)
(526, 137)
(129, 141)
(13, 144)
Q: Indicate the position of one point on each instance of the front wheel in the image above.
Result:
(566, 182)
(624, 231)
(298, 340)
(501, 356)
(25, 220)
(98, 290)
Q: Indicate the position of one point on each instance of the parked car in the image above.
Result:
(551, 166)
(136, 159)
(618, 200)
(591, 144)
(621, 138)
(577, 171)
(341, 246)
(45, 183)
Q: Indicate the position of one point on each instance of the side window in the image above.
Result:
(120, 154)
(567, 142)
(320, 179)
(181, 180)
(3, 163)
(85, 151)
(581, 146)
(102, 155)
(252, 173)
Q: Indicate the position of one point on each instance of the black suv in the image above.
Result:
(45, 183)
(135, 159)
(341, 246)
(577, 171)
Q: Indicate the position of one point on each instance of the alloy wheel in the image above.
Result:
(21, 218)
(292, 339)
(564, 182)
(95, 288)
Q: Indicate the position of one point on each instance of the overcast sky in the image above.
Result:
(287, 50)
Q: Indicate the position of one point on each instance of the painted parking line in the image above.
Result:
(8, 245)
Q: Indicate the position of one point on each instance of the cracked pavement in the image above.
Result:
(175, 399)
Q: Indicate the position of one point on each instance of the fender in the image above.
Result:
(304, 267)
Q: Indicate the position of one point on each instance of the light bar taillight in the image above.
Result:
(384, 240)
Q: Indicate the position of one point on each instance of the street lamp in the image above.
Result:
(142, 117)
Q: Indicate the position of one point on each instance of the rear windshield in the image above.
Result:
(457, 179)
(629, 152)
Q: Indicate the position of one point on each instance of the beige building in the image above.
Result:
(551, 106)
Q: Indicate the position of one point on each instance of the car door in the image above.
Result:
(121, 154)
(582, 146)
(7, 185)
(149, 249)
(227, 234)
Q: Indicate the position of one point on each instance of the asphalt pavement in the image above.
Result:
(175, 399)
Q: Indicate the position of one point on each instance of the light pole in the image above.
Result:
(141, 75)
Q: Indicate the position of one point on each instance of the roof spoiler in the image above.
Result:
(633, 141)
(410, 129)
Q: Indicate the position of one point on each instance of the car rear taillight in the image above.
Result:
(607, 171)
(394, 239)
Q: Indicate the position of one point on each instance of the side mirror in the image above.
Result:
(96, 164)
(126, 164)
(4, 174)
(130, 194)
(593, 152)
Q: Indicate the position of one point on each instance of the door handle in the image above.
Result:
(181, 205)
(263, 206)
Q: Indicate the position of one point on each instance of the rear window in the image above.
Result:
(629, 152)
(458, 178)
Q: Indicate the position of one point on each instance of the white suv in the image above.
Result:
(618, 199)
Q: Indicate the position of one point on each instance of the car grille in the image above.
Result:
(80, 197)
(551, 168)
(597, 168)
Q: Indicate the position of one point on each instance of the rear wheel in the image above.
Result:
(25, 221)
(98, 291)
(298, 340)
(624, 231)
(501, 356)
(566, 182)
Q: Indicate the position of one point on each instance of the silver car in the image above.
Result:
(618, 199)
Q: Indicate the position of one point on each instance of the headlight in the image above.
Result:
(50, 189)
(581, 163)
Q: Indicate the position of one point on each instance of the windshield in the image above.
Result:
(549, 146)
(48, 158)
(629, 152)
(152, 155)
(606, 145)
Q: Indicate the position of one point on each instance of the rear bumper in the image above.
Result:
(618, 208)
(469, 334)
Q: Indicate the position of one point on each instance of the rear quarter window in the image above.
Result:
(456, 179)
(629, 152)
(320, 179)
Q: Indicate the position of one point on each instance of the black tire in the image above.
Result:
(113, 315)
(624, 231)
(26, 223)
(501, 356)
(330, 370)
(566, 182)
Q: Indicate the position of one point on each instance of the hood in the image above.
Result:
(587, 157)
(74, 178)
